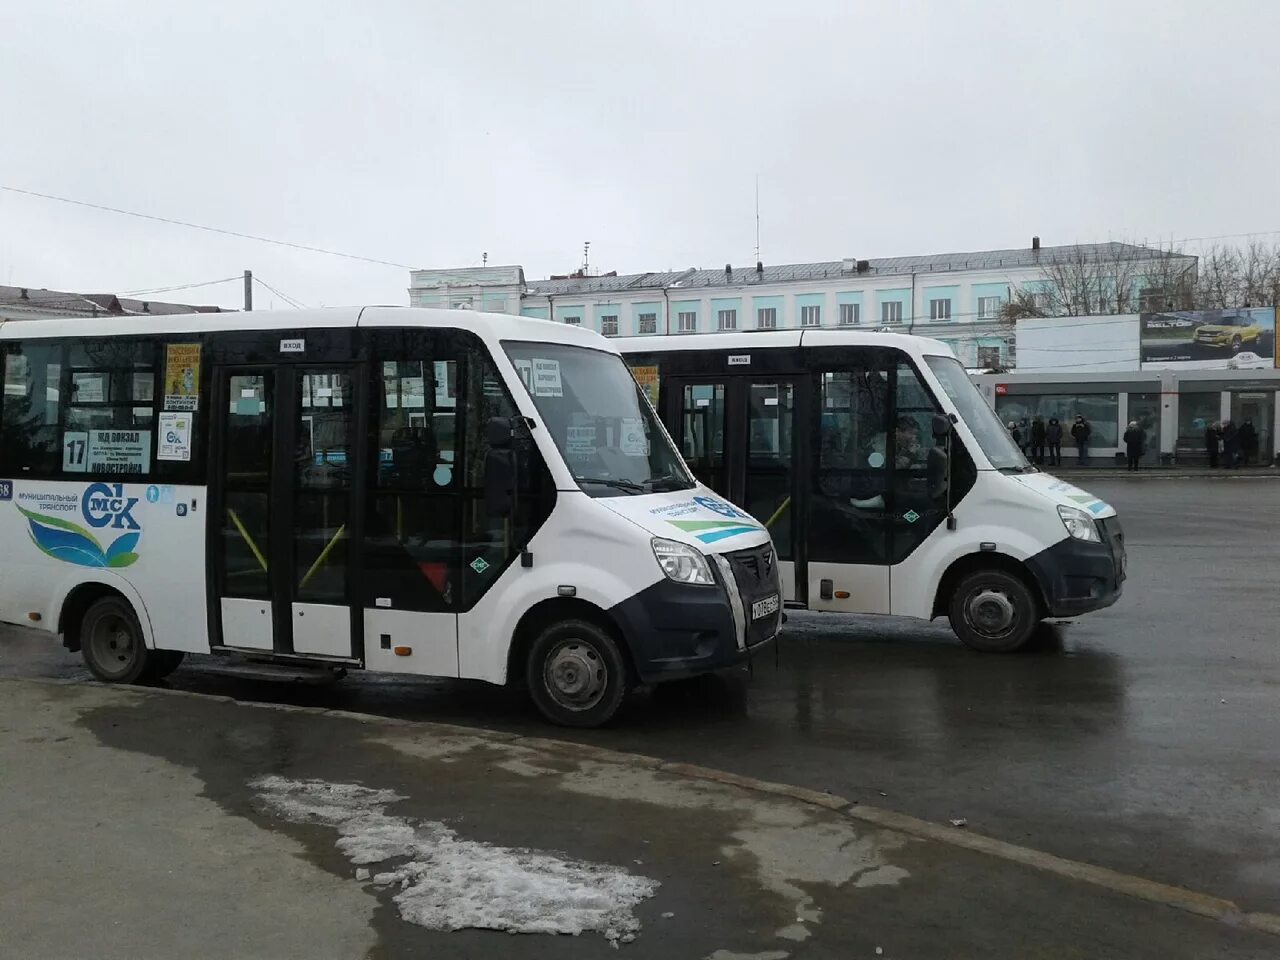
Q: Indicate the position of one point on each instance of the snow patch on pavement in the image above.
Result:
(450, 883)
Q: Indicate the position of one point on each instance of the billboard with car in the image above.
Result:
(1237, 339)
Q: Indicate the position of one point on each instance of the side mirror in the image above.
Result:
(941, 427)
(500, 482)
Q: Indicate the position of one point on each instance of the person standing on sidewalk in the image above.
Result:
(1037, 441)
(1212, 440)
(1248, 441)
(1080, 433)
(1134, 438)
(1230, 445)
(1053, 437)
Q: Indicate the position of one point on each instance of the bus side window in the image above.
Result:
(29, 439)
(412, 539)
(847, 521)
(490, 544)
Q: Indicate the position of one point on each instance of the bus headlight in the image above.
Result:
(681, 562)
(1079, 524)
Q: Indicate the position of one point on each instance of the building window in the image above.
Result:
(891, 311)
(1042, 301)
(687, 321)
(609, 325)
(648, 323)
(850, 313)
(940, 309)
(988, 357)
(767, 318)
(988, 308)
(811, 316)
(573, 321)
(728, 319)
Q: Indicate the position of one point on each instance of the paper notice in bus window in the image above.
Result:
(119, 451)
(633, 441)
(546, 378)
(580, 441)
(75, 451)
(182, 376)
(175, 436)
(647, 377)
(525, 369)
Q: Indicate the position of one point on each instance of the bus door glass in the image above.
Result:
(768, 488)
(283, 508)
(703, 427)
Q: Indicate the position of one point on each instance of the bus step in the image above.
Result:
(310, 674)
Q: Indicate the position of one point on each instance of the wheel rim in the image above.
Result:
(990, 612)
(575, 675)
(112, 644)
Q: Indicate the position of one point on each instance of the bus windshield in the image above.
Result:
(600, 421)
(981, 420)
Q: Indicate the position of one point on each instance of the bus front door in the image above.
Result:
(283, 511)
(736, 433)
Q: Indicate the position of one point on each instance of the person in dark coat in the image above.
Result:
(1080, 433)
(1037, 441)
(1135, 439)
(1230, 445)
(1015, 433)
(1212, 443)
(1248, 441)
(1053, 438)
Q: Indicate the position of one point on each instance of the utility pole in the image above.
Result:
(248, 290)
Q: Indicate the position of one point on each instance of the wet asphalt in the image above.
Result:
(1145, 738)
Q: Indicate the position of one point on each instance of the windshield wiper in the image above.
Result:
(616, 484)
(667, 482)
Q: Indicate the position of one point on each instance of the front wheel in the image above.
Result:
(111, 642)
(993, 611)
(576, 674)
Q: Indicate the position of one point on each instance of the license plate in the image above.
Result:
(765, 607)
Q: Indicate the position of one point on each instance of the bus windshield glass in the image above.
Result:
(600, 421)
(981, 420)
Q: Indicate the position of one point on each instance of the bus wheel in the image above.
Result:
(111, 642)
(993, 611)
(576, 674)
(161, 663)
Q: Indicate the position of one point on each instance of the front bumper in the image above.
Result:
(677, 630)
(1077, 576)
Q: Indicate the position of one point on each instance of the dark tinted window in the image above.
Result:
(29, 435)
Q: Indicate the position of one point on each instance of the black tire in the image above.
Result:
(576, 674)
(993, 611)
(161, 663)
(111, 642)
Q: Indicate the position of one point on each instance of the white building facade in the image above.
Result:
(957, 298)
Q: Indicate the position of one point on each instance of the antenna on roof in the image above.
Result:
(758, 218)
(586, 257)
(484, 259)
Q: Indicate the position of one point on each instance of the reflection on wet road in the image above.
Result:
(1145, 737)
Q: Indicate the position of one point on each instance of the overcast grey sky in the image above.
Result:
(426, 133)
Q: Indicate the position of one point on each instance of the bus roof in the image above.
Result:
(501, 326)
(766, 339)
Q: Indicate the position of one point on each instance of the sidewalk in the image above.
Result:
(151, 824)
(1070, 470)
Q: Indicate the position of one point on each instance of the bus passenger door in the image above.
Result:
(769, 489)
(282, 509)
(701, 429)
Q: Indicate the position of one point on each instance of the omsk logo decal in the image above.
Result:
(720, 507)
(709, 531)
(103, 505)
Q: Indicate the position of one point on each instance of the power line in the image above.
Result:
(208, 229)
(296, 304)
(180, 286)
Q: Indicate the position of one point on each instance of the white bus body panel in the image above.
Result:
(247, 624)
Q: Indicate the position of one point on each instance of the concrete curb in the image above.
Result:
(1179, 898)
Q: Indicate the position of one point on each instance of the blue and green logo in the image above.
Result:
(103, 505)
(709, 531)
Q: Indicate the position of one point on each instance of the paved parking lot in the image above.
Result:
(1144, 738)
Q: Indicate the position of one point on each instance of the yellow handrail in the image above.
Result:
(262, 562)
(323, 555)
(777, 513)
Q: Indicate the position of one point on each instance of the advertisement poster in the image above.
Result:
(647, 377)
(175, 437)
(1243, 339)
(182, 376)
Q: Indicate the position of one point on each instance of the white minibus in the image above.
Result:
(417, 491)
(887, 482)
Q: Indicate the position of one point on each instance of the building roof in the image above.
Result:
(64, 303)
(1019, 258)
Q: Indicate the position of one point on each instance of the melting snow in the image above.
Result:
(449, 883)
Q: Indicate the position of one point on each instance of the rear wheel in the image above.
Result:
(993, 611)
(111, 642)
(161, 663)
(576, 674)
